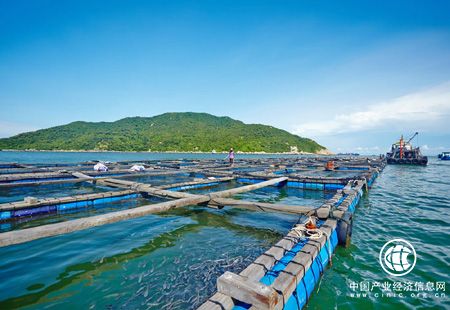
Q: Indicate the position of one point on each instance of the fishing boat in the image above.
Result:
(403, 153)
(444, 156)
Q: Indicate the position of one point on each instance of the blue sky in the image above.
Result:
(353, 75)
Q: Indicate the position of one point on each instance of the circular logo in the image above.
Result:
(398, 257)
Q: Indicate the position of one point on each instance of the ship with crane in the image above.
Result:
(403, 153)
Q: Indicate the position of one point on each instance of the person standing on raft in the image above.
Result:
(231, 156)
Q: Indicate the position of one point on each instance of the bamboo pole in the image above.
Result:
(260, 206)
(247, 188)
(206, 181)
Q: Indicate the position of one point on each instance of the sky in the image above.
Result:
(353, 75)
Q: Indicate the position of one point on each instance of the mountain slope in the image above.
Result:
(165, 132)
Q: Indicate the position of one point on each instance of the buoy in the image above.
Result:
(344, 229)
(311, 224)
(330, 165)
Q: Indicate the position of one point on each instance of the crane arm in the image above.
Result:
(414, 135)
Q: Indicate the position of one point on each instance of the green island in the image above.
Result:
(177, 132)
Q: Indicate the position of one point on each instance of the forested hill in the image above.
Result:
(166, 132)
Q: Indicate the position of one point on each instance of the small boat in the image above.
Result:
(444, 156)
(403, 153)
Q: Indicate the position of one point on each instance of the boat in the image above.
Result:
(444, 156)
(403, 153)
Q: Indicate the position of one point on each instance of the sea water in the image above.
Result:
(172, 260)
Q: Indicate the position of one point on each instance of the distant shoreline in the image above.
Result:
(172, 152)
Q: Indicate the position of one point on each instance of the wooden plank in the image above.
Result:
(260, 206)
(255, 293)
(117, 183)
(82, 175)
(206, 181)
(153, 191)
(247, 188)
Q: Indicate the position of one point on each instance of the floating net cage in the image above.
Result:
(167, 233)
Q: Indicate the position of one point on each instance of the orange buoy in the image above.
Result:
(311, 224)
(329, 165)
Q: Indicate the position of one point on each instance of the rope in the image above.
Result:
(313, 233)
(302, 231)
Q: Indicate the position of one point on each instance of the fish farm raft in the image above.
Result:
(46, 200)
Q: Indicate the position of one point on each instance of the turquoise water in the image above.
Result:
(412, 203)
(154, 261)
(73, 157)
(172, 260)
(288, 196)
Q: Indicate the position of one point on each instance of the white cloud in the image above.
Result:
(425, 109)
(8, 129)
(433, 150)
